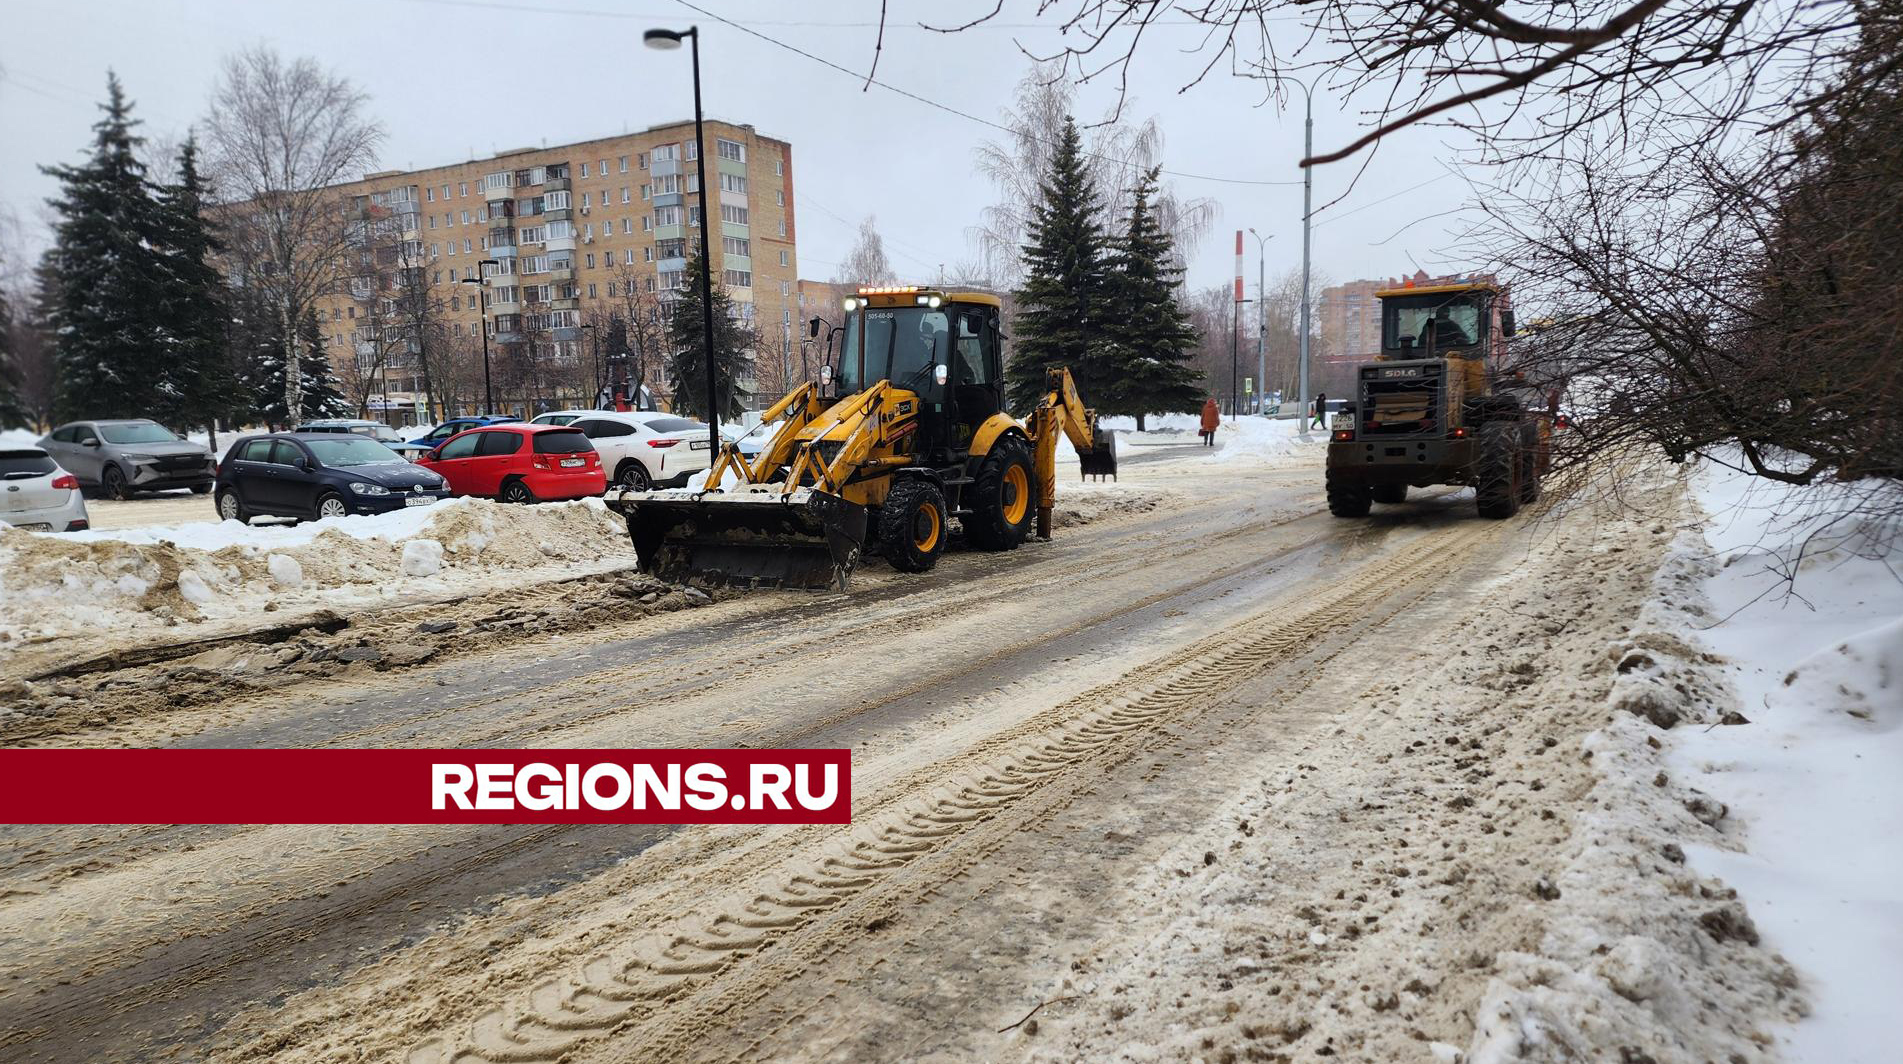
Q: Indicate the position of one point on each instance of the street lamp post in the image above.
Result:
(668, 40)
(481, 281)
(594, 356)
(1261, 317)
(1308, 189)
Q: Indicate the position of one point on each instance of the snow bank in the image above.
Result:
(1814, 780)
(129, 580)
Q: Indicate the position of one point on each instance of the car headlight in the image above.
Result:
(369, 489)
(140, 457)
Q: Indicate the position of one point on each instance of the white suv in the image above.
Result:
(645, 449)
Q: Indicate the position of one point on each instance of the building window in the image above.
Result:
(784, 288)
(667, 216)
(429, 194)
(462, 188)
(736, 278)
(627, 226)
(586, 200)
(782, 227)
(591, 291)
(736, 245)
(560, 229)
(647, 192)
(588, 231)
(624, 164)
(591, 260)
(555, 201)
(627, 256)
(779, 168)
(467, 250)
(672, 279)
(455, 302)
(465, 217)
(693, 216)
(693, 150)
(624, 190)
(731, 213)
(667, 153)
(445, 192)
(779, 197)
(784, 262)
(728, 149)
(641, 160)
(733, 183)
(604, 168)
(584, 169)
(647, 223)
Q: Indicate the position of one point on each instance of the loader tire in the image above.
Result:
(1497, 470)
(1348, 500)
(912, 526)
(1389, 494)
(1531, 463)
(1003, 506)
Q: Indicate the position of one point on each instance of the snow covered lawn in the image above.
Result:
(1814, 781)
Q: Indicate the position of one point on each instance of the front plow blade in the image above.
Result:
(1102, 460)
(808, 539)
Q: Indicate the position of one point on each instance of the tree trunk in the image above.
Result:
(293, 365)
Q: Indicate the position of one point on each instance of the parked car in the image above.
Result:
(375, 430)
(36, 494)
(123, 457)
(318, 475)
(520, 463)
(752, 441)
(561, 417)
(435, 437)
(641, 450)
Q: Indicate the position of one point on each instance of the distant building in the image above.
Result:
(566, 227)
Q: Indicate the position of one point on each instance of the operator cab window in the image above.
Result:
(1421, 323)
(971, 350)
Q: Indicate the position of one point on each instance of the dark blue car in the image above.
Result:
(436, 436)
(313, 475)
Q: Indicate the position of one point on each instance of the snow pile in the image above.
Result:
(1814, 780)
(128, 580)
(1256, 439)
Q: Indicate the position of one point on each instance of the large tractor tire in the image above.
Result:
(1390, 494)
(1531, 464)
(1348, 500)
(1003, 506)
(1497, 470)
(912, 527)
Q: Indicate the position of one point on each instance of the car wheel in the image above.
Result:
(517, 492)
(331, 505)
(634, 476)
(113, 483)
(230, 508)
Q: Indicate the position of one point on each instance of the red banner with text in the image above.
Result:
(186, 786)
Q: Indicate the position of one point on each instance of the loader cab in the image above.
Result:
(1467, 320)
(942, 347)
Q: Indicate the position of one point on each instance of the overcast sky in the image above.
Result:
(452, 78)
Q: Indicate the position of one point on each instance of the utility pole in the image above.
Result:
(1308, 189)
(1261, 318)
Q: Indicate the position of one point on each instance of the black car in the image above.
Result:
(318, 475)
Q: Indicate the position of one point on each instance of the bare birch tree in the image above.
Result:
(866, 263)
(282, 136)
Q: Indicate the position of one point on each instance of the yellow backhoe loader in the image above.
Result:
(905, 432)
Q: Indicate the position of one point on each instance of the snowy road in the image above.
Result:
(1038, 739)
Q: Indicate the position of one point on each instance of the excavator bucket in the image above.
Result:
(805, 539)
(1100, 461)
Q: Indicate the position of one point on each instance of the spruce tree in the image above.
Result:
(1145, 363)
(195, 306)
(687, 365)
(256, 352)
(109, 276)
(11, 412)
(1062, 306)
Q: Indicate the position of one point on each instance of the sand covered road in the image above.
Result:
(1203, 776)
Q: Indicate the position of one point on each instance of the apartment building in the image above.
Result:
(548, 241)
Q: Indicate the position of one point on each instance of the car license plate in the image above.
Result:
(574, 463)
(697, 445)
(1341, 421)
(419, 500)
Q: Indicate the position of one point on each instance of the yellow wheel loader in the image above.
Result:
(1436, 407)
(905, 433)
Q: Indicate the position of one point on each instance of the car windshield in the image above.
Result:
(675, 424)
(351, 450)
(902, 345)
(1441, 321)
(379, 431)
(137, 433)
(18, 465)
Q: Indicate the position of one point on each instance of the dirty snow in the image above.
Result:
(54, 586)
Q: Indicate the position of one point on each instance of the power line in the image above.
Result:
(501, 5)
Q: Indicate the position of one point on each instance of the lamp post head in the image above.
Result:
(666, 40)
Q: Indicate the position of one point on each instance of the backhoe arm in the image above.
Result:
(799, 407)
(1062, 410)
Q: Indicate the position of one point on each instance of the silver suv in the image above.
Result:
(124, 457)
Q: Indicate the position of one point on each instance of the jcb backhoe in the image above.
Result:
(904, 434)
(1437, 407)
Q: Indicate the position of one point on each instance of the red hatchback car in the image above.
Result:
(520, 463)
